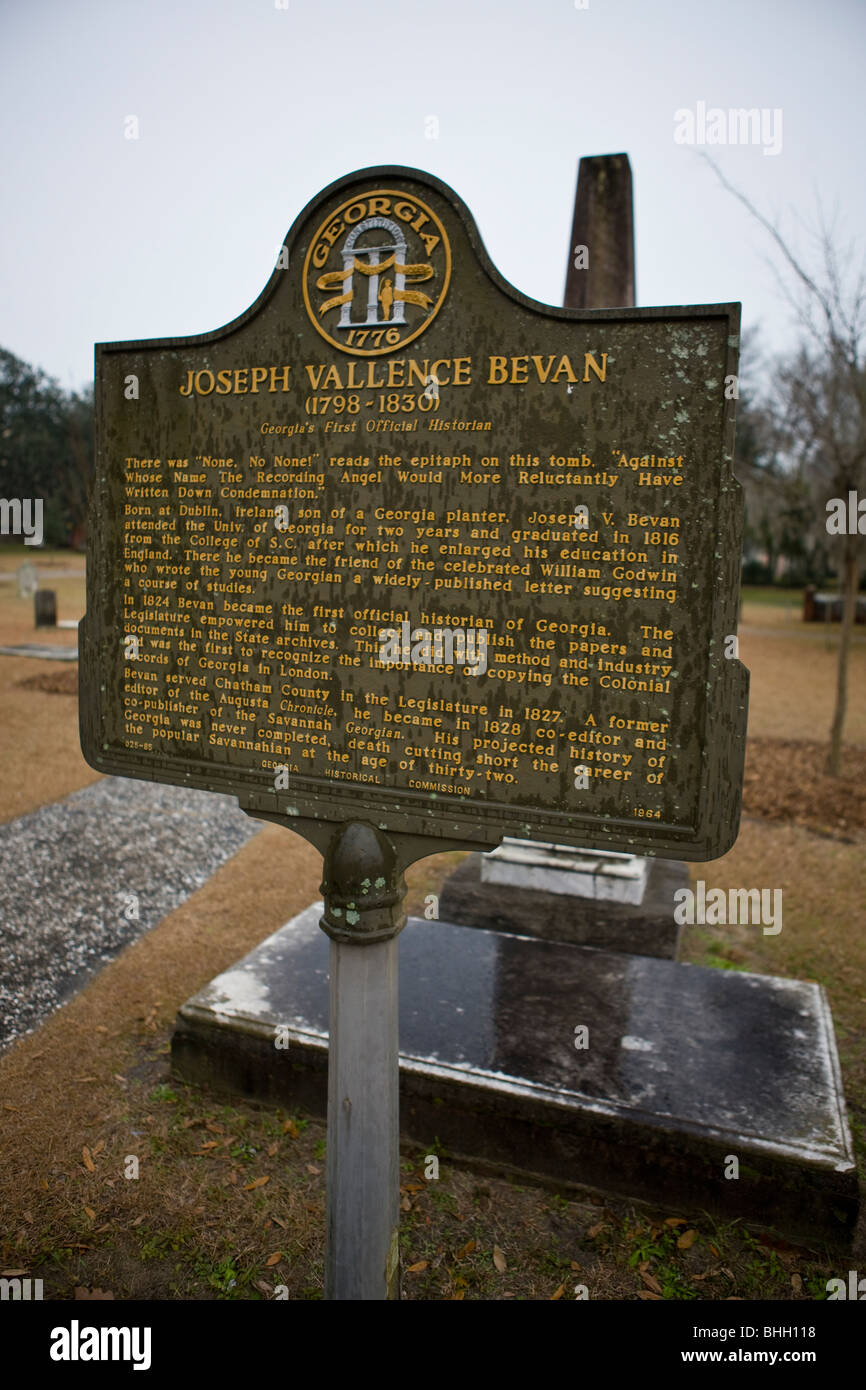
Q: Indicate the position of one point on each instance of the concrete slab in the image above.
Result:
(573, 872)
(685, 1066)
(43, 651)
(646, 929)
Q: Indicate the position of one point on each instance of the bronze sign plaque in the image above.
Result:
(402, 545)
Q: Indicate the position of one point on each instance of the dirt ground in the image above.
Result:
(229, 1198)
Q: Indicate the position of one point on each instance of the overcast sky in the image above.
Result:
(246, 109)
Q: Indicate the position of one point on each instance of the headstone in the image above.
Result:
(523, 908)
(45, 606)
(27, 580)
(576, 873)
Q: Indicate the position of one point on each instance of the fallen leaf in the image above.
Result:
(10, 1107)
(274, 1259)
(291, 1128)
(645, 1293)
(466, 1249)
(272, 1148)
(413, 1187)
(687, 1239)
(138, 1220)
(280, 1222)
(784, 1247)
(676, 1221)
(456, 1297)
(83, 1293)
(594, 1230)
(499, 1259)
(88, 1161)
(417, 1267)
(575, 1265)
(257, 1182)
(405, 1204)
(559, 1292)
(85, 1078)
(214, 1128)
(211, 1144)
(97, 1148)
(651, 1282)
(311, 1168)
(796, 1283)
(100, 1028)
(28, 1215)
(91, 1213)
(263, 1287)
(713, 1250)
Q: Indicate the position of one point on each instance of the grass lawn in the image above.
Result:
(772, 594)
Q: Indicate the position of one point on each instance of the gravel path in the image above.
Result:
(74, 874)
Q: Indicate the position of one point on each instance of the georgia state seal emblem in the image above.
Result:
(376, 272)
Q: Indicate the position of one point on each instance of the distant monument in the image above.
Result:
(27, 580)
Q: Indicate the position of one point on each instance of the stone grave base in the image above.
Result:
(582, 873)
(685, 1069)
(646, 929)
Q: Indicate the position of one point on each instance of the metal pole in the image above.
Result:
(363, 890)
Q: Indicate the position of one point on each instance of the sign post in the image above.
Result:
(407, 562)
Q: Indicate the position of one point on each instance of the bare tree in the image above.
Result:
(822, 391)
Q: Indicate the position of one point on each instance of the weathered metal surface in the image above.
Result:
(260, 666)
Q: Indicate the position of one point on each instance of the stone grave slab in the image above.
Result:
(646, 928)
(561, 869)
(43, 651)
(685, 1066)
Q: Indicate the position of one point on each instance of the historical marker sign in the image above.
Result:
(404, 546)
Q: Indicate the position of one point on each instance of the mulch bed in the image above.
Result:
(786, 780)
(63, 682)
